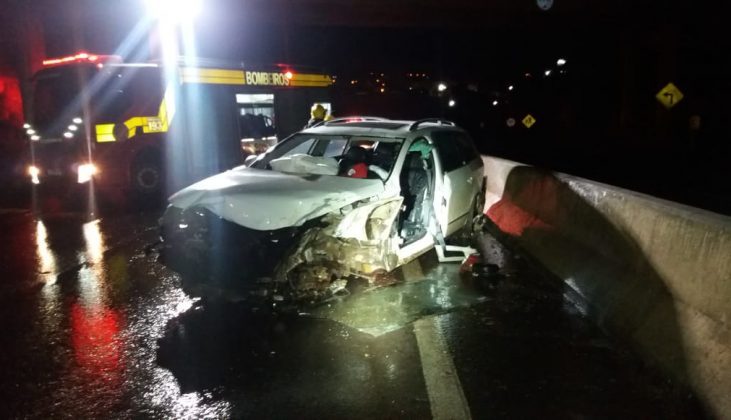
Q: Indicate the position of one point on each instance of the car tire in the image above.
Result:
(478, 212)
(467, 236)
(479, 204)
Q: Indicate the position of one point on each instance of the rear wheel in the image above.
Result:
(467, 236)
(478, 211)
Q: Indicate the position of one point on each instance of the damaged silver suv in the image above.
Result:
(348, 200)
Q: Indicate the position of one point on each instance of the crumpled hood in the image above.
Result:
(267, 200)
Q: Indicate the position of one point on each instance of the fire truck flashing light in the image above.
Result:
(81, 57)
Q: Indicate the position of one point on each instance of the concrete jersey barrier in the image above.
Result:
(653, 272)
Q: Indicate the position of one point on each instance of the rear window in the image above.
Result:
(455, 149)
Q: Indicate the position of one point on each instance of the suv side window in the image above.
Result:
(335, 148)
(455, 149)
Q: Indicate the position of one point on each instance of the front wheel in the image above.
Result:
(147, 181)
(147, 177)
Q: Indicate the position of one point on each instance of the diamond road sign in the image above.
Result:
(669, 96)
(528, 121)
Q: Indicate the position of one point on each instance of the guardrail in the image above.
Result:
(651, 271)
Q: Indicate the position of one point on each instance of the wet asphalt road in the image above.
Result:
(94, 327)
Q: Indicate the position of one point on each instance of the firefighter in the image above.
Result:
(317, 114)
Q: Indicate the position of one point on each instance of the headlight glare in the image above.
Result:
(86, 171)
(34, 172)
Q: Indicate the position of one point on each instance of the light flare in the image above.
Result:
(86, 172)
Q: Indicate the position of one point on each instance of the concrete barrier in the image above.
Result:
(653, 272)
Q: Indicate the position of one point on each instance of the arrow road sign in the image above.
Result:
(669, 96)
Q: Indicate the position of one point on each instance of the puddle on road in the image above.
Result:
(427, 289)
(350, 354)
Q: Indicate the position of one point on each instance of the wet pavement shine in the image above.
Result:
(94, 327)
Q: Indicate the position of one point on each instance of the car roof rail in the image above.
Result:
(439, 121)
(354, 118)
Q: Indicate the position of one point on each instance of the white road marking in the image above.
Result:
(446, 396)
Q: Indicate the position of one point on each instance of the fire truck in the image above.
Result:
(148, 128)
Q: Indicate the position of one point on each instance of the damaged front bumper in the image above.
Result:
(211, 252)
(308, 262)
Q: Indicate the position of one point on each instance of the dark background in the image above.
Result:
(597, 116)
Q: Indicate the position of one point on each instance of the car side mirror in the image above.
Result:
(250, 159)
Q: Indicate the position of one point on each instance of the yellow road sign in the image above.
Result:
(528, 121)
(669, 96)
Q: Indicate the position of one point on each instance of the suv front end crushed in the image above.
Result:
(306, 263)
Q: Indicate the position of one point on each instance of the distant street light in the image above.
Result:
(441, 87)
(452, 103)
(547, 73)
(560, 62)
(495, 102)
(511, 87)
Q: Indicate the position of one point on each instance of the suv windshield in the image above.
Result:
(379, 153)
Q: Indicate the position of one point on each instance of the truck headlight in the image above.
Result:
(34, 172)
(85, 172)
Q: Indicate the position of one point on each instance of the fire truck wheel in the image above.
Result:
(147, 176)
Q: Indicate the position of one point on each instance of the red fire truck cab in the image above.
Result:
(146, 129)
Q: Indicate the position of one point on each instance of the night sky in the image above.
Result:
(620, 54)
